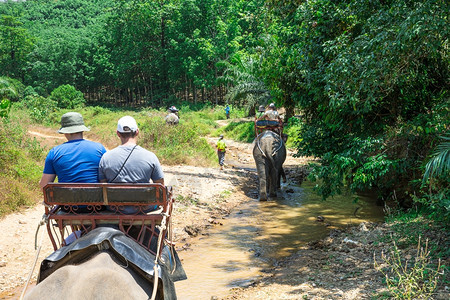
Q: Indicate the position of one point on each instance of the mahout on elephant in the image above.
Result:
(269, 152)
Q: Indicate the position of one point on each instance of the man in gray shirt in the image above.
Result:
(130, 163)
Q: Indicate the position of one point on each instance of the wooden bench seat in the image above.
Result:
(71, 207)
(109, 217)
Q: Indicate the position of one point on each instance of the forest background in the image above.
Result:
(364, 84)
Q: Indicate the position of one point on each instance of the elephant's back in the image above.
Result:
(268, 142)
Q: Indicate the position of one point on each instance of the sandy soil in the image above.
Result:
(338, 267)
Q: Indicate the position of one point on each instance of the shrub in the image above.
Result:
(5, 106)
(292, 130)
(66, 96)
(407, 280)
(11, 89)
(39, 107)
(239, 131)
(18, 162)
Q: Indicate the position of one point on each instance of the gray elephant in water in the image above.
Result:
(269, 152)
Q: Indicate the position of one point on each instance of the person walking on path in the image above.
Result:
(77, 159)
(221, 151)
(227, 111)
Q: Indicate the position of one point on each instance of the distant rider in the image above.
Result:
(172, 118)
(270, 119)
(271, 114)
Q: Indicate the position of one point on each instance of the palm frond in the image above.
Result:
(247, 88)
(439, 164)
(9, 88)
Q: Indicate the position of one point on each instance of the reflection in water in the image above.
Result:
(259, 233)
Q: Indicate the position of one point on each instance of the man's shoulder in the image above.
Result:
(144, 151)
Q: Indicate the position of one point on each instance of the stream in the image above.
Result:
(257, 234)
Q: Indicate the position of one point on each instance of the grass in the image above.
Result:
(405, 279)
(239, 131)
(415, 278)
(407, 225)
(21, 160)
(181, 144)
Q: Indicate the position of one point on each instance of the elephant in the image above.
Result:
(172, 119)
(101, 277)
(269, 152)
(107, 264)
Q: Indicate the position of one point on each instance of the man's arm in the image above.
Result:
(46, 178)
(159, 181)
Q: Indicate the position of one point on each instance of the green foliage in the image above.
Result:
(406, 280)
(15, 46)
(39, 108)
(19, 157)
(131, 52)
(179, 144)
(292, 129)
(11, 89)
(239, 131)
(366, 75)
(5, 106)
(436, 179)
(439, 164)
(67, 96)
(360, 166)
(248, 89)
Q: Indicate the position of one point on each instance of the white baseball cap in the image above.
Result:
(127, 124)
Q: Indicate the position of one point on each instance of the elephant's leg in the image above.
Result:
(261, 169)
(273, 181)
(281, 174)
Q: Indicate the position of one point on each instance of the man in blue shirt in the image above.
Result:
(76, 160)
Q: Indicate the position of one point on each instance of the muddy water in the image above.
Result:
(258, 233)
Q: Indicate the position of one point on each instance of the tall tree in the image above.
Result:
(15, 45)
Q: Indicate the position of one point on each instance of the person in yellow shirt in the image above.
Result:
(221, 151)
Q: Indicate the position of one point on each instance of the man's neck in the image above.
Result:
(129, 142)
(74, 136)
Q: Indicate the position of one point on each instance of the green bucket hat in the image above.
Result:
(72, 122)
